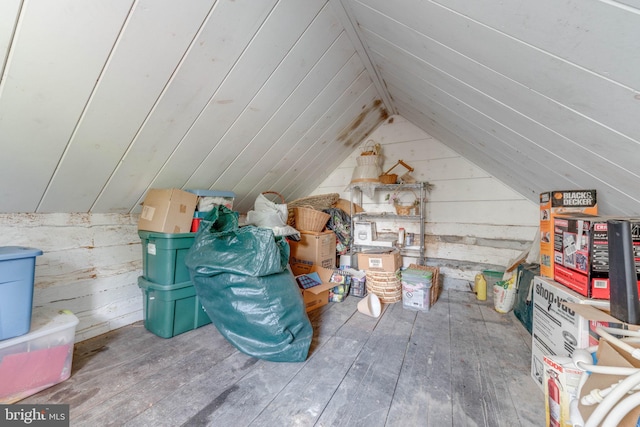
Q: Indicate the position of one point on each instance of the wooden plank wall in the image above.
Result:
(90, 265)
(472, 219)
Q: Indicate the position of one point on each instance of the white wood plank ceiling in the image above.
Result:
(102, 100)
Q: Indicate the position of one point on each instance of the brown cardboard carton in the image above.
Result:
(318, 296)
(313, 249)
(553, 203)
(387, 260)
(609, 355)
(167, 211)
(581, 253)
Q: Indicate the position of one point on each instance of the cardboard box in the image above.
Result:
(318, 296)
(167, 211)
(557, 328)
(561, 380)
(553, 203)
(364, 232)
(384, 260)
(313, 249)
(581, 253)
(609, 355)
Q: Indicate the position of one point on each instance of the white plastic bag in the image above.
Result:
(271, 215)
(504, 294)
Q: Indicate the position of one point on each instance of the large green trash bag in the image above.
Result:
(241, 278)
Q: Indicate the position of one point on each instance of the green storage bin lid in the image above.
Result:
(155, 235)
(167, 292)
(493, 273)
(416, 274)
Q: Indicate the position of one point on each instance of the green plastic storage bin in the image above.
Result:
(492, 277)
(170, 310)
(163, 256)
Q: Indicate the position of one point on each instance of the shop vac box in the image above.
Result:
(557, 329)
(581, 253)
(39, 359)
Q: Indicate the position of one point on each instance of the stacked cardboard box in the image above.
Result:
(167, 211)
(553, 203)
(581, 253)
(317, 249)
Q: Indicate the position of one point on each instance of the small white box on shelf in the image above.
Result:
(364, 232)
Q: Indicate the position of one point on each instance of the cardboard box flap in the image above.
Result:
(325, 276)
(590, 312)
(608, 356)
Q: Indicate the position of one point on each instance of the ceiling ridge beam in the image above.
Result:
(350, 24)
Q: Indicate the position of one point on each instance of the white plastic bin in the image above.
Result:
(39, 359)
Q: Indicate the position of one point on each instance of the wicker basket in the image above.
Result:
(309, 219)
(369, 160)
(386, 286)
(319, 202)
(388, 178)
(411, 209)
(408, 208)
(280, 196)
(435, 280)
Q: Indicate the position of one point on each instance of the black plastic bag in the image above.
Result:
(242, 278)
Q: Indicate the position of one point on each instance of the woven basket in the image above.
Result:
(367, 160)
(318, 202)
(370, 148)
(309, 219)
(408, 208)
(435, 280)
(386, 286)
(280, 196)
(388, 178)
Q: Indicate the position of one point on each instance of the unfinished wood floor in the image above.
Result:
(460, 364)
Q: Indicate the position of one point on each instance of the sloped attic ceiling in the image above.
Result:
(100, 101)
(543, 95)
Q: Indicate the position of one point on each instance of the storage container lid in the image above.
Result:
(45, 321)
(15, 252)
(145, 284)
(156, 235)
(212, 193)
(417, 274)
(493, 273)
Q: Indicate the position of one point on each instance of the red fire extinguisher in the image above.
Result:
(554, 399)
